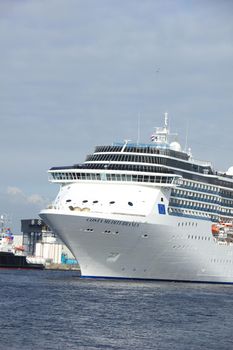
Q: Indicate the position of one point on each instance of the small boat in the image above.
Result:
(13, 256)
(11, 260)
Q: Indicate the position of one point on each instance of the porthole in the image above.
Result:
(130, 204)
(95, 202)
(89, 230)
(85, 201)
(112, 202)
(68, 200)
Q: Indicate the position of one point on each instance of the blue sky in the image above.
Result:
(74, 74)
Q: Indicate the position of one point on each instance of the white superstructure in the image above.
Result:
(146, 211)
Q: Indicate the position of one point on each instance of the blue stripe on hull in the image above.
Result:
(151, 279)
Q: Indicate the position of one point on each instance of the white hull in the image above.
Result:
(169, 248)
(146, 211)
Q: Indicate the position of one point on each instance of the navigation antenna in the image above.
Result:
(139, 122)
(186, 136)
(166, 120)
(4, 222)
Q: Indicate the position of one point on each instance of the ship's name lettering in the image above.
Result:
(114, 222)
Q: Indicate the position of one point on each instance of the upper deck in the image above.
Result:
(157, 158)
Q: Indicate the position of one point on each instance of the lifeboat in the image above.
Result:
(223, 230)
(226, 224)
(215, 229)
(19, 248)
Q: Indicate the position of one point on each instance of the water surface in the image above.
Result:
(58, 310)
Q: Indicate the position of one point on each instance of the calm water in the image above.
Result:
(58, 310)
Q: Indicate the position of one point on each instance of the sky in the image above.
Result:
(79, 73)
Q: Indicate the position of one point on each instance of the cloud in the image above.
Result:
(14, 191)
(18, 195)
(35, 199)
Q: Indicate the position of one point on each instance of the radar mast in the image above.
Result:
(161, 135)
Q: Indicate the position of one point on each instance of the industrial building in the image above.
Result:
(39, 241)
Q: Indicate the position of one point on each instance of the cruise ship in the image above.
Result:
(146, 211)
